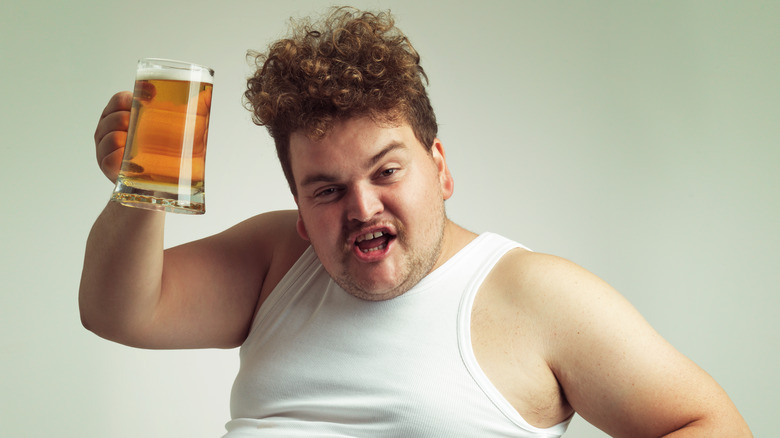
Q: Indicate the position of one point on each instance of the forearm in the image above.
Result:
(121, 277)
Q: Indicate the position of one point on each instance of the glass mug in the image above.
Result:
(164, 159)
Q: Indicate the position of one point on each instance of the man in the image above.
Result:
(367, 312)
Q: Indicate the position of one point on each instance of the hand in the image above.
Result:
(111, 134)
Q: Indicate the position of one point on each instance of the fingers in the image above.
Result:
(111, 133)
(119, 104)
(204, 97)
(121, 101)
(145, 90)
(109, 153)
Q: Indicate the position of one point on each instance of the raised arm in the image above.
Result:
(615, 370)
(201, 294)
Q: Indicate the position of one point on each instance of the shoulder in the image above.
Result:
(274, 237)
(539, 278)
(272, 232)
(268, 223)
(563, 304)
(614, 369)
(276, 232)
(261, 245)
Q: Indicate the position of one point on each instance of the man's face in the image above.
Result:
(371, 202)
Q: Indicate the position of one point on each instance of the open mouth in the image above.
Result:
(373, 241)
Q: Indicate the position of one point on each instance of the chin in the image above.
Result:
(371, 292)
(374, 296)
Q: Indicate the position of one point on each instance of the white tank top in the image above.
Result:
(319, 362)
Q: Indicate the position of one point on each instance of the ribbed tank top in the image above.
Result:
(319, 362)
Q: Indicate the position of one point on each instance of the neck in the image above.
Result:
(454, 239)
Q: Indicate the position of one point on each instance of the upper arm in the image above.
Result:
(615, 370)
(211, 287)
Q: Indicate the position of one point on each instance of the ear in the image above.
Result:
(445, 177)
(301, 228)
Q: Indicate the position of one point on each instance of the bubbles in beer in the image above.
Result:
(166, 143)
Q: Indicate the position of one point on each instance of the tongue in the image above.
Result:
(373, 243)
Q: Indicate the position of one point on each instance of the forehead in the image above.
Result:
(349, 132)
(347, 141)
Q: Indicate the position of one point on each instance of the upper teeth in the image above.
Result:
(369, 236)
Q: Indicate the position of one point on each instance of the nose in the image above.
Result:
(363, 203)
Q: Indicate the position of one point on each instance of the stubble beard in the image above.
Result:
(417, 264)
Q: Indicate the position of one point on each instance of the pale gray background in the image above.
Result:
(639, 139)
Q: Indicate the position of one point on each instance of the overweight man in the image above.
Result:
(367, 312)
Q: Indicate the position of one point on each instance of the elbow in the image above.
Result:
(85, 322)
(88, 322)
(743, 430)
(109, 332)
(84, 314)
(732, 424)
(92, 323)
(87, 311)
(111, 326)
(727, 426)
(97, 320)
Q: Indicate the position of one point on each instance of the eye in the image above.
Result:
(328, 191)
(325, 192)
(386, 173)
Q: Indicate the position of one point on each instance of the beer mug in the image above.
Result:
(164, 159)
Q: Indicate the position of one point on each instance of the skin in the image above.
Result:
(364, 179)
(552, 337)
(555, 339)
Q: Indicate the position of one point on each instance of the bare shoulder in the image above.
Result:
(271, 240)
(543, 284)
(267, 225)
(270, 234)
(570, 310)
(613, 368)
(541, 270)
(278, 227)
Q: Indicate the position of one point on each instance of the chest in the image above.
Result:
(317, 355)
(350, 364)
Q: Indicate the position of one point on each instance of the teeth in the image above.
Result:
(369, 236)
(366, 251)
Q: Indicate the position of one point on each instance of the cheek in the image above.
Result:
(319, 225)
(429, 189)
(414, 198)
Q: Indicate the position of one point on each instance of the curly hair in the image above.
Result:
(352, 64)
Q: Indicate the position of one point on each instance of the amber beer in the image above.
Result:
(164, 158)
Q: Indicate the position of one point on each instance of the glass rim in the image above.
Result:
(174, 63)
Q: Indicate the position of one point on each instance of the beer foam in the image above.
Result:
(198, 74)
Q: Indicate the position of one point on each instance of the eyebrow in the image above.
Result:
(371, 162)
